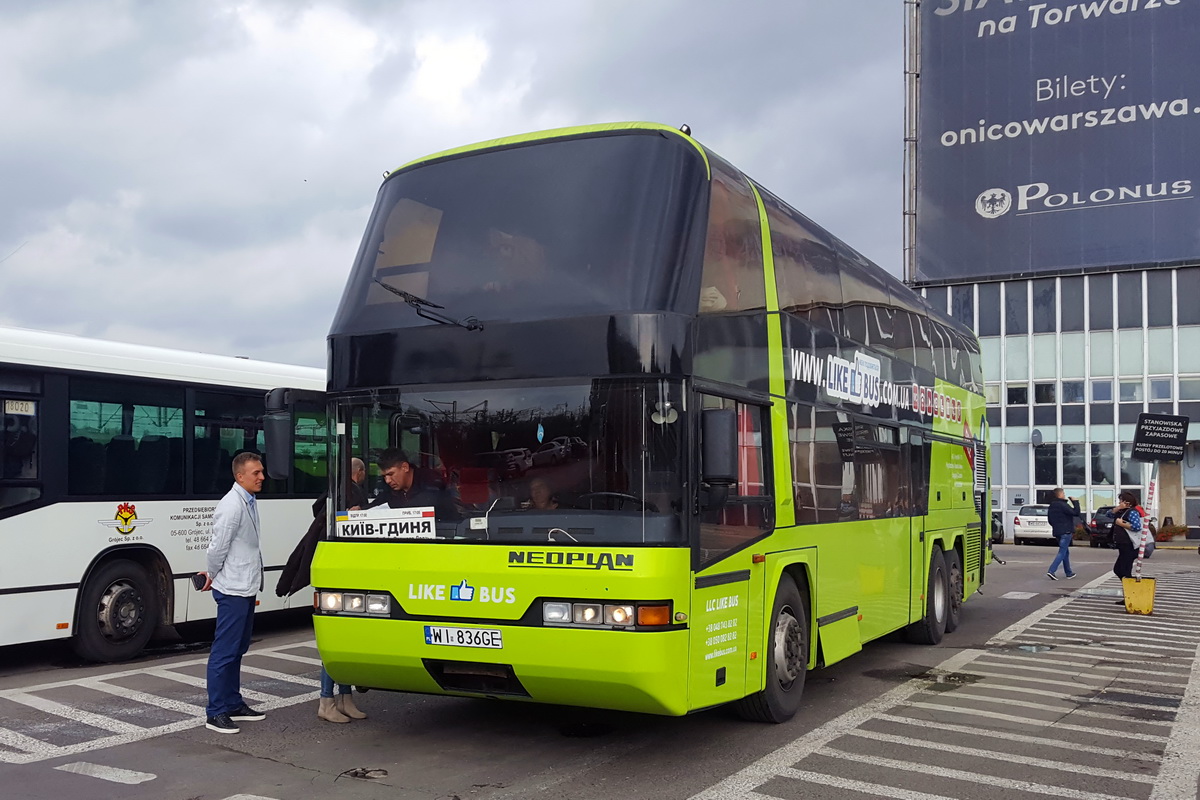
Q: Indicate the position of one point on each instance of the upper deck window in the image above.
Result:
(733, 270)
(540, 231)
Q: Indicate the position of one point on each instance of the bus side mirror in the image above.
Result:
(277, 435)
(718, 453)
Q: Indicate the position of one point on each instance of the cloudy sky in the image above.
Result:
(198, 174)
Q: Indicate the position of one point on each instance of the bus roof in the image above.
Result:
(558, 133)
(20, 346)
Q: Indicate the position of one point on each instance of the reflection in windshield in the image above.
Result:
(579, 463)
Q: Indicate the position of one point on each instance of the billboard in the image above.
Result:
(1055, 135)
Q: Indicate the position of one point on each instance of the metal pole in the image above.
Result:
(912, 95)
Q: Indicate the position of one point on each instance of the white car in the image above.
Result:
(1032, 524)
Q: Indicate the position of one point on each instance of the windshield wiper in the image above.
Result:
(422, 306)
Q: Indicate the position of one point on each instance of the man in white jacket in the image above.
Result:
(235, 575)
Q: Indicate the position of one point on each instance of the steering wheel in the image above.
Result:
(620, 496)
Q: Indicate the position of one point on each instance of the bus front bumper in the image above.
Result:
(640, 671)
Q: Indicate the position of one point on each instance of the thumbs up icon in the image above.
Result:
(462, 592)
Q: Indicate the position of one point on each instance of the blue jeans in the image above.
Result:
(235, 622)
(1064, 555)
(327, 685)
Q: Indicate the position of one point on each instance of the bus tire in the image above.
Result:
(118, 611)
(954, 599)
(787, 659)
(931, 627)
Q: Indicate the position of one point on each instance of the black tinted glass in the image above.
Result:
(542, 231)
(1071, 303)
(1129, 300)
(1100, 302)
(1044, 296)
(989, 309)
(1159, 305)
(1016, 308)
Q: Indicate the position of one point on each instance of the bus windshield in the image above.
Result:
(578, 226)
(569, 463)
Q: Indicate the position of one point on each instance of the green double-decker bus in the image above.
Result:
(671, 443)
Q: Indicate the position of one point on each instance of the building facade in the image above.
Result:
(1070, 362)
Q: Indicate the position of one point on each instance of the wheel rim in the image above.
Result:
(939, 600)
(790, 659)
(121, 611)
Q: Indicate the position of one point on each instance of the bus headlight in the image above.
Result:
(354, 602)
(379, 604)
(618, 615)
(589, 613)
(331, 601)
(556, 613)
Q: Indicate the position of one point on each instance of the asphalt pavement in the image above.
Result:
(1047, 689)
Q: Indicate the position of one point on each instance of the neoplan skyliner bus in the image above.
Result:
(112, 458)
(682, 444)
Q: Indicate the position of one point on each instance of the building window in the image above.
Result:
(989, 309)
(1189, 388)
(991, 394)
(1074, 464)
(1102, 391)
(1016, 308)
(1160, 389)
(1159, 305)
(1071, 303)
(1129, 300)
(1187, 284)
(1100, 303)
(1018, 395)
(936, 295)
(1072, 392)
(1045, 464)
(1045, 313)
(1043, 393)
(1102, 465)
(1130, 469)
(962, 304)
(1131, 392)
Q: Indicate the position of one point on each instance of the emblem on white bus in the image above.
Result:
(126, 520)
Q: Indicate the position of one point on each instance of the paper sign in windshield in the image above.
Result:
(386, 523)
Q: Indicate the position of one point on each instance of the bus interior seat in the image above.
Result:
(473, 485)
(120, 458)
(205, 456)
(85, 466)
(153, 453)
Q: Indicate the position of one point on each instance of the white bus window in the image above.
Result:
(126, 439)
(225, 425)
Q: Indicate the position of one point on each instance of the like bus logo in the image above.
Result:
(462, 592)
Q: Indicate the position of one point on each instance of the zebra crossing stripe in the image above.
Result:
(113, 774)
(75, 714)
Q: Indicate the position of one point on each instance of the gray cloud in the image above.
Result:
(199, 174)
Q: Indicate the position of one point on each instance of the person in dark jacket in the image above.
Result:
(407, 489)
(1061, 515)
(298, 573)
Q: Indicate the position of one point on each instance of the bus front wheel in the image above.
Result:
(954, 575)
(118, 610)
(931, 627)
(787, 659)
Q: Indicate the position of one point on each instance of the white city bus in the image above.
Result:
(112, 459)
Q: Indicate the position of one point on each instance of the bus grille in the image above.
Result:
(973, 547)
(475, 677)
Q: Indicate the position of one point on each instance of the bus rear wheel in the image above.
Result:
(931, 627)
(954, 574)
(118, 610)
(787, 659)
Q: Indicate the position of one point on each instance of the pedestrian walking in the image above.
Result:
(235, 576)
(297, 574)
(1062, 514)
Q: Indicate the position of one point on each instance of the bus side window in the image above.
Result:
(126, 438)
(223, 426)
(309, 442)
(747, 512)
(18, 450)
(733, 273)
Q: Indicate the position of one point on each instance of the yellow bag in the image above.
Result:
(1139, 595)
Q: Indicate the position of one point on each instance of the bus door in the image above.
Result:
(735, 509)
(917, 452)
